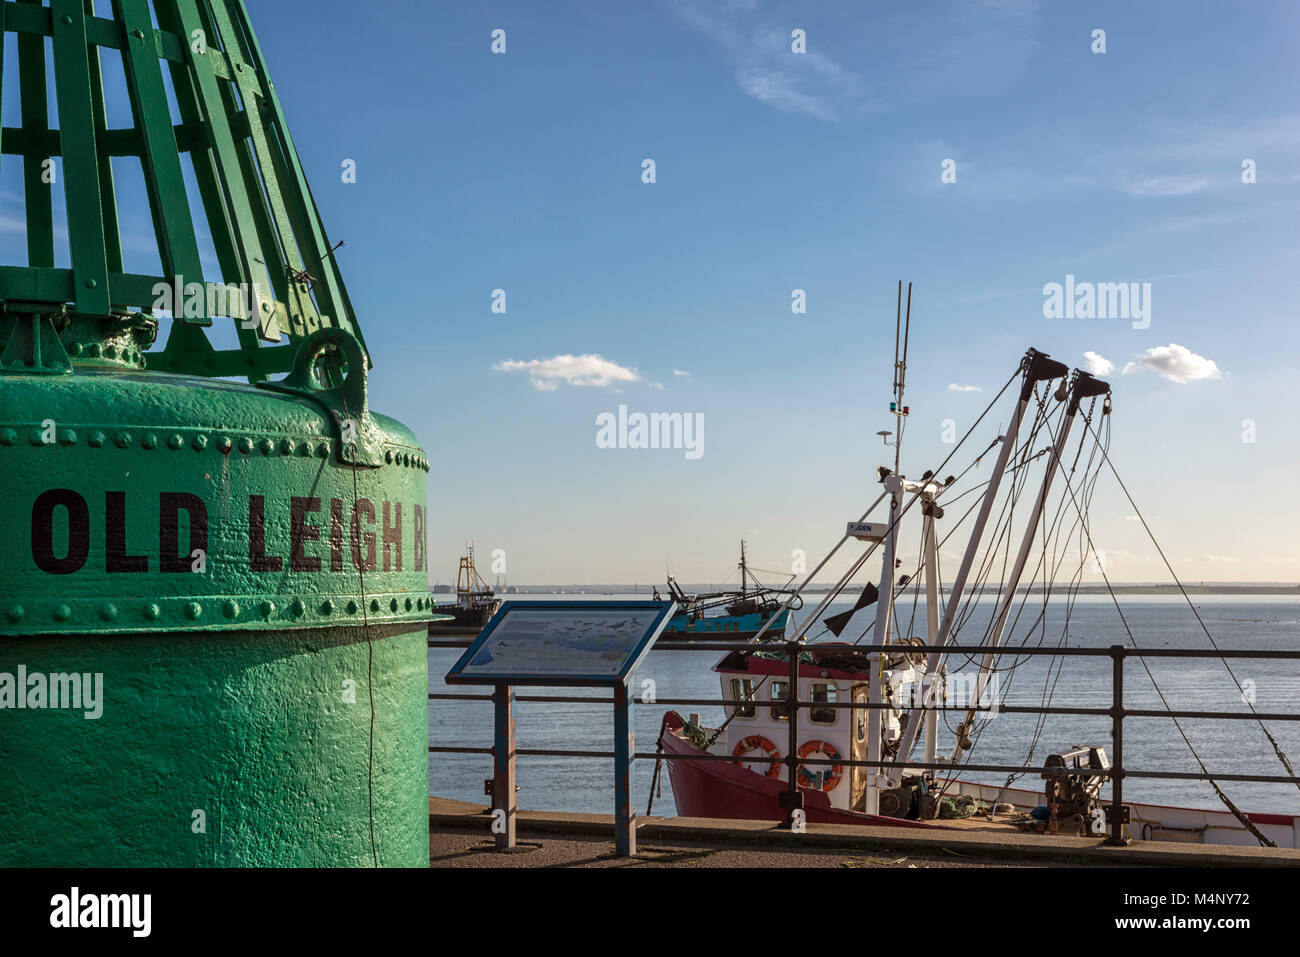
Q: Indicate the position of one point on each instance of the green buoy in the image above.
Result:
(213, 586)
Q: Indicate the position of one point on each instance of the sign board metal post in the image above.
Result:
(504, 796)
(624, 751)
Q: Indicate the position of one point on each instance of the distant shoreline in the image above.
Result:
(820, 589)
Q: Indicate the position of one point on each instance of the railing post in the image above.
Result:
(1117, 813)
(504, 799)
(792, 797)
(624, 749)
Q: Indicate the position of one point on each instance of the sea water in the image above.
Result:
(1150, 744)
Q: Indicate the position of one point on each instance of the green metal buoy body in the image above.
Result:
(213, 596)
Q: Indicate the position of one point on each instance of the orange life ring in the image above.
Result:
(757, 742)
(832, 779)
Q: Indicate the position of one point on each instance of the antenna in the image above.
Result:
(907, 334)
(898, 320)
(743, 582)
(902, 335)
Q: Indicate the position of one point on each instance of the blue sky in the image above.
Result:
(819, 171)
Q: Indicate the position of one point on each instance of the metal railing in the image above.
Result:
(792, 797)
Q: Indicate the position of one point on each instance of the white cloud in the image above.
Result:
(954, 387)
(756, 43)
(585, 370)
(931, 52)
(680, 372)
(1175, 363)
(1099, 364)
(1160, 186)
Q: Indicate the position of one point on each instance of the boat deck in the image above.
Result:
(978, 823)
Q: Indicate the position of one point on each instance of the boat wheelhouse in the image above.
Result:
(832, 675)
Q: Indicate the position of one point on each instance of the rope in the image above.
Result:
(1002, 539)
(1055, 668)
(1281, 755)
(1082, 524)
(1236, 812)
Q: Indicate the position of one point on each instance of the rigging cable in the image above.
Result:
(1002, 538)
(1002, 534)
(857, 565)
(1281, 755)
(1236, 812)
(1050, 571)
(1056, 668)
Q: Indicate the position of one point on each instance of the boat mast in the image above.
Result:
(900, 374)
(1037, 367)
(930, 683)
(893, 483)
(465, 575)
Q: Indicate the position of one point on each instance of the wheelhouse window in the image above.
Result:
(780, 709)
(742, 689)
(823, 694)
(860, 716)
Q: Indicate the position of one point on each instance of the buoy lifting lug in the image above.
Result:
(358, 440)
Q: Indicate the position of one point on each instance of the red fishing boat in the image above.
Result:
(756, 736)
(864, 708)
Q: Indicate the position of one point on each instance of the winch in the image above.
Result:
(1073, 801)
